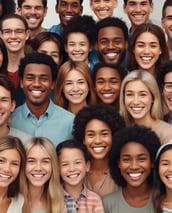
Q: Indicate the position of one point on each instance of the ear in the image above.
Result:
(152, 7)
(45, 11)
(65, 47)
(88, 166)
(115, 3)
(27, 34)
(163, 22)
(19, 10)
(13, 105)
(124, 8)
(57, 8)
(21, 83)
(52, 85)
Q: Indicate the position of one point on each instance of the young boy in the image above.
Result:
(74, 163)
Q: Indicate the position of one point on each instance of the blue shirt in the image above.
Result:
(56, 29)
(56, 123)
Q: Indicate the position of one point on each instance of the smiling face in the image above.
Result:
(34, 13)
(38, 166)
(76, 88)
(73, 168)
(111, 44)
(168, 95)
(135, 164)
(138, 11)
(98, 139)
(147, 51)
(108, 83)
(167, 22)
(9, 167)
(103, 8)
(68, 9)
(138, 101)
(14, 35)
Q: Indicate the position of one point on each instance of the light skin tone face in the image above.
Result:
(14, 35)
(34, 13)
(98, 139)
(6, 106)
(76, 88)
(138, 11)
(37, 85)
(165, 168)
(138, 101)
(108, 83)
(167, 22)
(9, 167)
(38, 168)
(67, 9)
(168, 95)
(147, 51)
(111, 44)
(135, 164)
(78, 47)
(73, 168)
(50, 48)
(103, 8)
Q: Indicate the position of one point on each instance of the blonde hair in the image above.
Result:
(81, 67)
(150, 82)
(53, 190)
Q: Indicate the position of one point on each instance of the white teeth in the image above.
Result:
(68, 17)
(136, 108)
(134, 175)
(146, 58)
(107, 95)
(98, 149)
(38, 176)
(169, 177)
(36, 92)
(4, 176)
(111, 54)
(138, 16)
(14, 43)
(73, 176)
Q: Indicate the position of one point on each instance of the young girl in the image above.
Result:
(131, 162)
(147, 48)
(94, 126)
(12, 179)
(140, 103)
(162, 192)
(44, 190)
(74, 87)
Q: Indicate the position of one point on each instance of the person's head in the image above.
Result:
(79, 37)
(7, 99)
(111, 35)
(37, 72)
(50, 44)
(33, 12)
(13, 27)
(94, 126)
(102, 8)
(162, 174)
(74, 78)
(42, 170)
(107, 78)
(73, 158)
(140, 97)
(166, 18)
(147, 48)
(132, 156)
(164, 79)
(138, 11)
(6, 7)
(3, 57)
(13, 158)
(68, 9)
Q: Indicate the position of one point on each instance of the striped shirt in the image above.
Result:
(87, 202)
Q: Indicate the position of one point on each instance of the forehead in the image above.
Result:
(76, 36)
(4, 92)
(138, 1)
(107, 71)
(70, 1)
(37, 69)
(134, 148)
(145, 35)
(168, 10)
(13, 22)
(110, 31)
(32, 3)
(168, 76)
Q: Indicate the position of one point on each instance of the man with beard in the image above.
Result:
(39, 116)
(34, 13)
(111, 36)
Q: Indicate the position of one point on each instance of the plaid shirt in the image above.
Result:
(87, 202)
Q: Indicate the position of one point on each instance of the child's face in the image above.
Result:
(73, 167)
(108, 85)
(98, 139)
(135, 164)
(165, 168)
(78, 47)
(38, 166)
(103, 8)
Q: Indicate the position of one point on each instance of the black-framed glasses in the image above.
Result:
(168, 86)
(18, 31)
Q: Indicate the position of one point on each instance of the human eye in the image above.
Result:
(144, 3)
(64, 164)
(30, 160)
(104, 41)
(17, 164)
(143, 94)
(99, 81)
(142, 158)
(1, 161)
(19, 31)
(125, 159)
(39, 7)
(55, 55)
(29, 77)
(90, 134)
(44, 78)
(75, 5)
(78, 162)
(63, 4)
(117, 41)
(7, 31)
(131, 3)
(129, 94)
(164, 163)
(81, 82)
(26, 7)
(105, 133)
(169, 18)
(67, 83)
(71, 44)
(140, 44)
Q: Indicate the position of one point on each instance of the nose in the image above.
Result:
(133, 164)
(97, 139)
(106, 86)
(36, 82)
(7, 167)
(110, 44)
(135, 99)
(137, 7)
(75, 86)
(38, 166)
(146, 49)
(32, 10)
(69, 8)
(71, 167)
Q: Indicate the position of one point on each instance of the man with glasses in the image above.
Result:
(14, 32)
(165, 83)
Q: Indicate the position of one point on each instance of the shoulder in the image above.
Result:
(20, 134)
(16, 204)
(62, 112)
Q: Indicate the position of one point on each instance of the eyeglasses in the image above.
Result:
(168, 86)
(18, 31)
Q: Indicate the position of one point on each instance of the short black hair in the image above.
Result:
(8, 85)
(8, 7)
(73, 144)
(102, 112)
(138, 134)
(165, 5)
(38, 58)
(57, 2)
(20, 2)
(125, 1)
(111, 22)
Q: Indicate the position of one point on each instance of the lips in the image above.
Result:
(4, 176)
(98, 149)
(73, 176)
(146, 58)
(135, 175)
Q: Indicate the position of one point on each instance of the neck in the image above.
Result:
(74, 191)
(147, 122)
(99, 165)
(14, 60)
(74, 108)
(34, 33)
(4, 130)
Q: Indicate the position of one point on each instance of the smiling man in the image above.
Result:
(39, 116)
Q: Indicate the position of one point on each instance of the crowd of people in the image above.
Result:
(85, 108)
